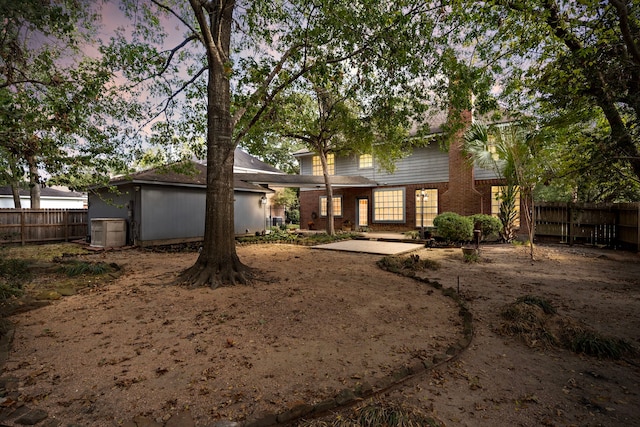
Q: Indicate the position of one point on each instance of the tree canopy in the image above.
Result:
(559, 60)
(55, 106)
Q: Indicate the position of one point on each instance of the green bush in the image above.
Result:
(490, 225)
(453, 227)
(293, 216)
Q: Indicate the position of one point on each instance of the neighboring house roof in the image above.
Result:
(44, 192)
(244, 162)
(192, 175)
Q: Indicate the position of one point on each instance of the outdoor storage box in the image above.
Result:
(108, 232)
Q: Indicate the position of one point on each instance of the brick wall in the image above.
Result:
(461, 197)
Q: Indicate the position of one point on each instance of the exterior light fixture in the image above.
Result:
(421, 197)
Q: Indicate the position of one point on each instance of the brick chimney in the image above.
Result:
(461, 196)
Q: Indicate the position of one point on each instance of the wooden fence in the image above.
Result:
(615, 225)
(42, 225)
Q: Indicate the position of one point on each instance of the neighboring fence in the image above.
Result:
(42, 225)
(615, 225)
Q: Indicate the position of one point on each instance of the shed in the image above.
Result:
(164, 205)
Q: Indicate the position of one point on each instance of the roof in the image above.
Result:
(306, 180)
(188, 174)
(44, 192)
(244, 160)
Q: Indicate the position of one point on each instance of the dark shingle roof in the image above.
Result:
(247, 161)
(189, 173)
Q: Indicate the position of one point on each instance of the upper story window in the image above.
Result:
(316, 168)
(388, 205)
(365, 161)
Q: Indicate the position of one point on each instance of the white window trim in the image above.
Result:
(404, 205)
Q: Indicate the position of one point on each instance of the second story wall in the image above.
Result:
(424, 165)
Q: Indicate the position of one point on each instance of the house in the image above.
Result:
(426, 182)
(50, 198)
(163, 206)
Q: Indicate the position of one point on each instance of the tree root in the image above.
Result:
(224, 274)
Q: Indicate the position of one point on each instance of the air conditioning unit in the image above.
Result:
(108, 232)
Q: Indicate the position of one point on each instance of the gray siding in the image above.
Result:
(484, 173)
(424, 165)
(171, 212)
(249, 213)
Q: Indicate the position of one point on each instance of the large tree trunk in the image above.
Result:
(218, 263)
(331, 228)
(34, 182)
(15, 192)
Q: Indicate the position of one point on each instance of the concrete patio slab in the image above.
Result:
(371, 247)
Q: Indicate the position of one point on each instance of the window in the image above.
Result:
(316, 167)
(496, 200)
(337, 206)
(388, 205)
(365, 161)
(426, 210)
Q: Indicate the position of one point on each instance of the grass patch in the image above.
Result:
(377, 414)
(535, 321)
(14, 273)
(540, 302)
(46, 252)
(282, 236)
(584, 341)
(78, 268)
(398, 264)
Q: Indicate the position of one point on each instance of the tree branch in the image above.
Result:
(175, 50)
(625, 29)
(175, 94)
(172, 12)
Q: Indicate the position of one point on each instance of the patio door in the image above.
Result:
(362, 212)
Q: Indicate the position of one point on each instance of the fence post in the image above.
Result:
(638, 229)
(22, 228)
(569, 225)
(65, 216)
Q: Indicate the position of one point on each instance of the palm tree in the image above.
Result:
(509, 151)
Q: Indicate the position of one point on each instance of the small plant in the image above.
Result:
(413, 234)
(471, 257)
(453, 227)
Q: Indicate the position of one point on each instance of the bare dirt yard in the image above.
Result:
(317, 322)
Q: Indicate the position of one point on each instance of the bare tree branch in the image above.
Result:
(174, 95)
(172, 12)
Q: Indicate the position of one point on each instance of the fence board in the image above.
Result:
(42, 225)
(614, 225)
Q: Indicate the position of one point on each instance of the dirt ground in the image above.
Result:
(317, 322)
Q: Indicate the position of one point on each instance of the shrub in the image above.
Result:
(489, 225)
(453, 227)
(293, 216)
